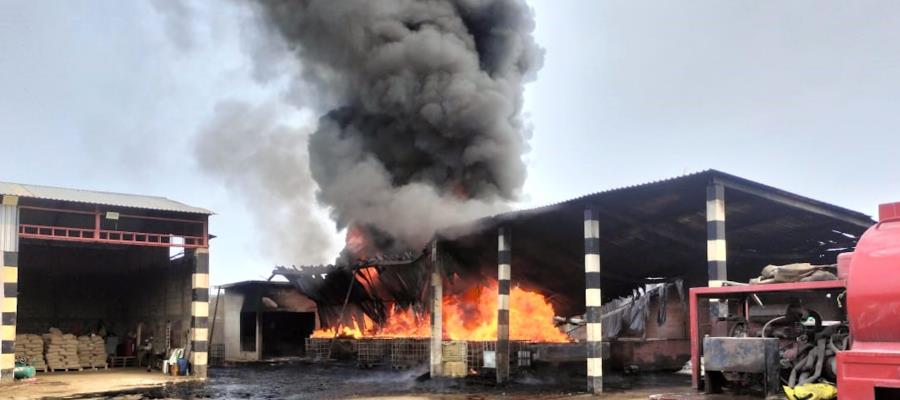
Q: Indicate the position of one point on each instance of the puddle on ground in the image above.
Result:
(308, 381)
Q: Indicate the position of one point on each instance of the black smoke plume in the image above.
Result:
(422, 127)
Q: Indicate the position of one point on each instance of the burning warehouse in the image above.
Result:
(599, 280)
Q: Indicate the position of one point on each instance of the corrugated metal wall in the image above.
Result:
(9, 226)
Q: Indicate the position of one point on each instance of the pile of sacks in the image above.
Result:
(91, 351)
(61, 350)
(30, 348)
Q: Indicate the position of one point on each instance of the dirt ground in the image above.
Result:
(305, 381)
(65, 384)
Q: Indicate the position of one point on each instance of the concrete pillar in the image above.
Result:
(259, 338)
(504, 257)
(200, 312)
(716, 255)
(9, 276)
(437, 298)
(593, 301)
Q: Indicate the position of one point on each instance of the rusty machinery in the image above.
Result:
(844, 331)
(774, 334)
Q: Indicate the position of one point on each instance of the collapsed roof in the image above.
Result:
(369, 287)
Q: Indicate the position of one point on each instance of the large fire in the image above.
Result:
(470, 315)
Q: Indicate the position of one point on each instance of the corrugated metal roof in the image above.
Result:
(705, 174)
(657, 229)
(94, 197)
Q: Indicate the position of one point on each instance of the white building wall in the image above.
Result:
(233, 303)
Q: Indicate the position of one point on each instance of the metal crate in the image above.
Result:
(317, 348)
(519, 355)
(372, 352)
(216, 354)
(409, 352)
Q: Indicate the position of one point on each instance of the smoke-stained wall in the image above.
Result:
(247, 299)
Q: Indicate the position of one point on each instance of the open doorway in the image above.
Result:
(284, 332)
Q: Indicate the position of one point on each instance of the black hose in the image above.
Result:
(792, 380)
(820, 360)
(833, 347)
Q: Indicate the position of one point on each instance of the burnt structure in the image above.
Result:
(88, 262)
(671, 230)
(261, 320)
(346, 293)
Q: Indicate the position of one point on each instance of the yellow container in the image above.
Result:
(454, 351)
(455, 369)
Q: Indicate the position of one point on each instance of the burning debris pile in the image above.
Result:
(470, 314)
(370, 288)
(384, 298)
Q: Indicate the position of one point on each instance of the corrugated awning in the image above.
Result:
(101, 198)
(658, 229)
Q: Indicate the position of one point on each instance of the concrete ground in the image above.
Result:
(677, 394)
(305, 381)
(67, 384)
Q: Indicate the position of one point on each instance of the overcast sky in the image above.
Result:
(801, 95)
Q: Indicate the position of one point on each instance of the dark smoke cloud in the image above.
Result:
(424, 128)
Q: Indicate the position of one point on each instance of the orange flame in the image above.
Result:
(469, 315)
(356, 240)
(400, 324)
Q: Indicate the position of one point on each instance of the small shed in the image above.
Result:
(264, 320)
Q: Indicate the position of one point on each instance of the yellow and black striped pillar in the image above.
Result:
(504, 260)
(200, 312)
(9, 251)
(437, 298)
(593, 301)
(716, 256)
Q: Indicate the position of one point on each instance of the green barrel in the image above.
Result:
(24, 371)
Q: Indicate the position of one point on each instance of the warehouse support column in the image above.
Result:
(715, 244)
(593, 301)
(200, 312)
(504, 259)
(9, 251)
(437, 298)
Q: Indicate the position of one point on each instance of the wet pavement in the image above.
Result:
(301, 381)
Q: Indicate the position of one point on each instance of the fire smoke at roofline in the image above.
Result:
(424, 127)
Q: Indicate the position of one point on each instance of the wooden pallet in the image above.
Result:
(65, 369)
(122, 361)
